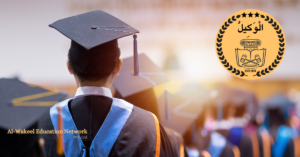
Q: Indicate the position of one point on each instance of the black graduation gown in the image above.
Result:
(245, 145)
(289, 151)
(147, 100)
(177, 142)
(137, 138)
(204, 141)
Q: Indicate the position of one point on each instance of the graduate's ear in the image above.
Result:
(118, 67)
(69, 67)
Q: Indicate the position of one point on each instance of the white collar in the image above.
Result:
(222, 124)
(238, 122)
(91, 90)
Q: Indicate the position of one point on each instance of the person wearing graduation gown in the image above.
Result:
(177, 143)
(215, 142)
(21, 106)
(114, 127)
(142, 94)
(276, 137)
(138, 90)
(233, 105)
(237, 136)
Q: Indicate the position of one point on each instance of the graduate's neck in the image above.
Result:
(99, 83)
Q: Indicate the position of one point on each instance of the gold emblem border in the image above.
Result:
(242, 73)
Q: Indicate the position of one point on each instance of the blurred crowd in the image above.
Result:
(224, 121)
(250, 127)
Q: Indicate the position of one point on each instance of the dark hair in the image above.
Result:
(96, 63)
(276, 116)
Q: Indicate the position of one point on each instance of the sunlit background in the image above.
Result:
(178, 35)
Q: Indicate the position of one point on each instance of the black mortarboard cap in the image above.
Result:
(238, 98)
(182, 112)
(145, 99)
(138, 90)
(245, 98)
(21, 106)
(150, 75)
(279, 102)
(277, 108)
(92, 29)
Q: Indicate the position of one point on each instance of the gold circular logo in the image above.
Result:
(250, 44)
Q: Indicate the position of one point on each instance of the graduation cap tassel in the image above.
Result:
(167, 105)
(136, 59)
(60, 143)
(194, 132)
(219, 112)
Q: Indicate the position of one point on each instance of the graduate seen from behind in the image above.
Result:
(109, 126)
(276, 137)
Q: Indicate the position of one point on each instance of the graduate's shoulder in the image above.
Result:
(137, 113)
(139, 118)
(142, 117)
(138, 136)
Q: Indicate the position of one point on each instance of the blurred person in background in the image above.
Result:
(276, 137)
(142, 95)
(228, 111)
(177, 143)
(114, 127)
(252, 116)
(239, 103)
(196, 94)
(194, 137)
(212, 142)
